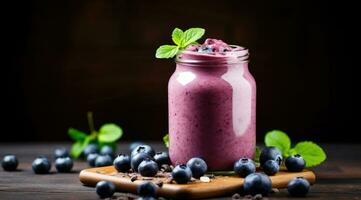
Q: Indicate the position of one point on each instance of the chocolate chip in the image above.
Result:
(133, 178)
(236, 196)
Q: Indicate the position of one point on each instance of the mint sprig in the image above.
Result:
(166, 140)
(182, 40)
(108, 134)
(311, 152)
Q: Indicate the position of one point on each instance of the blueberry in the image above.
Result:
(146, 198)
(64, 164)
(257, 183)
(91, 159)
(9, 163)
(270, 153)
(105, 189)
(134, 145)
(103, 160)
(91, 148)
(147, 189)
(137, 159)
(244, 166)
(162, 158)
(270, 167)
(61, 153)
(41, 165)
(198, 167)
(205, 49)
(122, 163)
(143, 149)
(181, 174)
(295, 163)
(298, 187)
(107, 150)
(148, 168)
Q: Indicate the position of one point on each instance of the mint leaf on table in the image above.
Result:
(166, 140)
(109, 133)
(78, 147)
(76, 134)
(311, 152)
(192, 35)
(167, 51)
(279, 139)
(182, 40)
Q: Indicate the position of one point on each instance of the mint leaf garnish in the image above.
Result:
(278, 139)
(192, 35)
(167, 51)
(166, 140)
(182, 40)
(76, 134)
(311, 152)
(177, 37)
(109, 133)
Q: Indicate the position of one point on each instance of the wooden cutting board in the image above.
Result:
(218, 186)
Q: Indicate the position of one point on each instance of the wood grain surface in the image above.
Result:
(338, 178)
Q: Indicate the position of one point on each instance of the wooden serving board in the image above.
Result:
(218, 186)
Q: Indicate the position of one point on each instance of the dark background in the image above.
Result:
(64, 58)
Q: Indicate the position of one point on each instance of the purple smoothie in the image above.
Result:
(212, 105)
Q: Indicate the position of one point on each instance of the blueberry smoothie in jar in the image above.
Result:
(212, 105)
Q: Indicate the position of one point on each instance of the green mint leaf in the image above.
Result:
(311, 152)
(257, 154)
(278, 139)
(78, 147)
(109, 133)
(177, 36)
(166, 51)
(166, 140)
(192, 35)
(76, 134)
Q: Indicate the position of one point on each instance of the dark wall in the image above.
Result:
(70, 57)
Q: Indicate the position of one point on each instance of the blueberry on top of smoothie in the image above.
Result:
(210, 46)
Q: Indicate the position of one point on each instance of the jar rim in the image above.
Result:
(238, 55)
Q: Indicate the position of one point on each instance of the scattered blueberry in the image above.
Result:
(147, 189)
(103, 160)
(162, 158)
(137, 159)
(105, 189)
(122, 163)
(181, 174)
(134, 145)
(41, 165)
(146, 198)
(107, 150)
(143, 149)
(91, 159)
(298, 187)
(295, 163)
(257, 183)
(205, 49)
(64, 164)
(244, 167)
(148, 168)
(9, 163)
(91, 148)
(270, 153)
(198, 167)
(61, 153)
(270, 167)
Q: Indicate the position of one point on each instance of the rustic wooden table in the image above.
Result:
(338, 178)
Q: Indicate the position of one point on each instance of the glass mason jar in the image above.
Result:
(212, 108)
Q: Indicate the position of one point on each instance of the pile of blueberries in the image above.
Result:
(145, 161)
(271, 160)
